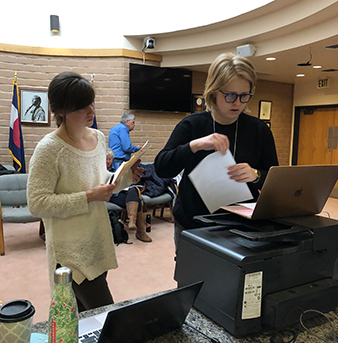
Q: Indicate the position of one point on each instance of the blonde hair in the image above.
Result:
(223, 70)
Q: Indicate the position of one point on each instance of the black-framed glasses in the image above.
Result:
(232, 97)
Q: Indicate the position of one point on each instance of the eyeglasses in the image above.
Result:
(232, 97)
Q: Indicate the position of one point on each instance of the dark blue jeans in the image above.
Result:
(116, 163)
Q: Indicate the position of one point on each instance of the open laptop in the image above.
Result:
(143, 320)
(291, 191)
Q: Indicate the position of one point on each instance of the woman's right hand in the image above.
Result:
(215, 141)
(102, 192)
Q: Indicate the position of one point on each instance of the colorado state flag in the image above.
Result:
(15, 145)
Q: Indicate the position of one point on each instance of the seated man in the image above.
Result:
(131, 200)
(120, 142)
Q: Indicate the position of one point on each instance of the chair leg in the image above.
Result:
(2, 240)
(171, 211)
(42, 233)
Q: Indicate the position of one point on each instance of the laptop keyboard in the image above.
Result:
(91, 337)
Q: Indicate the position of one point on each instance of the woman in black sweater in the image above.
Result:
(230, 85)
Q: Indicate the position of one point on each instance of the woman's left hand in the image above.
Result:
(101, 192)
(137, 172)
(242, 172)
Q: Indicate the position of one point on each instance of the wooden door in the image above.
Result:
(318, 137)
(315, 132)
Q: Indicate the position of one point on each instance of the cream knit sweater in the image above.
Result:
(78, 234)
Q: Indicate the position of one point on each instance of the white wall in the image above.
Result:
(102, 24)
(307, 94)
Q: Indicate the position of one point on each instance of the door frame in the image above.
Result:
(296, 122)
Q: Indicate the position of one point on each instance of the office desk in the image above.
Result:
(318, 326)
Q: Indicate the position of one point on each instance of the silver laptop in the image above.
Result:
(291, 191)
(143, 320)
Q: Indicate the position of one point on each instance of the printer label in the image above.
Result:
(252, 295)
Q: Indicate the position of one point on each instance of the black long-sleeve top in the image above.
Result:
(255, 145)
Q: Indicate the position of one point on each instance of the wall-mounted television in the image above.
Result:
(159, 89)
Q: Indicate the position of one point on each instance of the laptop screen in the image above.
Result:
(150, 318)
(292, 191)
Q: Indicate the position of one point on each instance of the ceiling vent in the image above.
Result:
(335, 46)
(329, 70)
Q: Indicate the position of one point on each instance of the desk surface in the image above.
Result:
(319, 326)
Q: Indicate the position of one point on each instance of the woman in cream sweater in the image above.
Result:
(67, 188)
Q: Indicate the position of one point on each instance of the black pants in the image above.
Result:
(92, 294)
(123, 197)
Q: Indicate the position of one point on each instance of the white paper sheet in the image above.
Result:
(250, 205)
(211, 180)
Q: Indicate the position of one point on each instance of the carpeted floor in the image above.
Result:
(144, 268)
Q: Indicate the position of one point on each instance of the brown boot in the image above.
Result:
(132, 208)
(141, 229)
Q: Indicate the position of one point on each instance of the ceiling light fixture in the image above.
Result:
(300, 75)
(316, 67)
(271, 58)
(306, 64)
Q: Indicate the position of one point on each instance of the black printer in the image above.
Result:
(260, 274)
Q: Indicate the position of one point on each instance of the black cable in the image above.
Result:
(277, 337)
(287, 314)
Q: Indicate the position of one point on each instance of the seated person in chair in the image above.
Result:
(131, 200)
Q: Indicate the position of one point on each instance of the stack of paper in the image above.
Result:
(123, 174)
(212, 182)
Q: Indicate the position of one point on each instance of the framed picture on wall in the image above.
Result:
(265, 110)
(34, 107)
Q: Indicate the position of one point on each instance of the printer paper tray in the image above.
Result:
(293, 234)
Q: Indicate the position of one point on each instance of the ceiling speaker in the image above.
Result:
(246, 50)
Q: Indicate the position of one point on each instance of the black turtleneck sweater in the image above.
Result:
(255, 146)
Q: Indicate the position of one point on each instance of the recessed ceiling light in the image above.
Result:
(316, 67)
(300, 75)
(271, 58)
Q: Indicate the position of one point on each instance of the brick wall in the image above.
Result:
(281, 96)
(111, 87)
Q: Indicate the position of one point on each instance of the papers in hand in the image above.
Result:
(123, 174)
(212, 182)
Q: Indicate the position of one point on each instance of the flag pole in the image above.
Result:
(14, 82)
(15, 144)
(94, 126)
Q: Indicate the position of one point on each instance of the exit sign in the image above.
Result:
(323, 83)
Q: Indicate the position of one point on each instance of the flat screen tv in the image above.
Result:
(159, 89)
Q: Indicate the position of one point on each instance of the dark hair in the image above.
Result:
(69, 92)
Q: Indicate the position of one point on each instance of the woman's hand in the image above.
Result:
(215, 141)
(137, 172)
(242, 172)
(102, 192)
